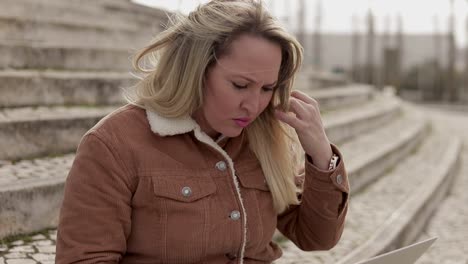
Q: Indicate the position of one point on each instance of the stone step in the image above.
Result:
(311, 80)
(450, 222)
(31, 193)
(392, 211)
(42, 131)
(50, 13)
(115, 14)
(126, 10)
(390, 143)
(344, 124)
(27, 30)
(342, 96)
(53, 87)
(28, 132)
(40, 56)
(48, 88)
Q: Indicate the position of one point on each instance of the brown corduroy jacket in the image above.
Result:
(146, 189)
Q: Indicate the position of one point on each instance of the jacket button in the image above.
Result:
(231, 256)
(235, 215)
(339, 179)
(221, 165)
(186, 191)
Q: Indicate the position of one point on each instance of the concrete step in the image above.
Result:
(26, 131)
(27, 30)
(310, 80)
(37, 56)
(342, 96)
(344, 124)
(31, 193)
(450, 222)
(390, 143)
(43, 131)
(100, 13)
(49, 13)
(48, 88)
(392, 211)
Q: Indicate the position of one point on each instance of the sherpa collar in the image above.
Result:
(170, 126)
(164, 126)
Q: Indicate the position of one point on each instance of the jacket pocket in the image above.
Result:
(185, 204)
(252, 177)
(183, 189)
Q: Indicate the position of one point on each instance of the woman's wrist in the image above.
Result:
(321, 158)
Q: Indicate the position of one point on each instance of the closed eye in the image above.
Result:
(238, 86)
(268, 89)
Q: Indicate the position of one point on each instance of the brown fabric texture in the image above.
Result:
(135, 196)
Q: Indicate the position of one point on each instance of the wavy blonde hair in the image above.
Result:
(179, 59)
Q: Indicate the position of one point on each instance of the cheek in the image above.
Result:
(265, 102)
(219, 100)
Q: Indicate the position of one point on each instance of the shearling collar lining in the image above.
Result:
(170, 126)
(164, 126)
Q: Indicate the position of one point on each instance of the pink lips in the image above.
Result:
(242, 122)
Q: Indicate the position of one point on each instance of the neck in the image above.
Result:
(199, 117)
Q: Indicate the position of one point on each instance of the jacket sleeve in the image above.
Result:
(318, 221)
(95, 217)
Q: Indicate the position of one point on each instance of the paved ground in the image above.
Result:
(35, 249)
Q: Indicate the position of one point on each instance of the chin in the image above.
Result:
(232, 132)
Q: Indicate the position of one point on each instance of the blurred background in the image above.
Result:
(419, 46)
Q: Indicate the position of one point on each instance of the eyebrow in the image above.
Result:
(255, 81)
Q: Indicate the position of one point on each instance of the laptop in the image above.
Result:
(404, 255)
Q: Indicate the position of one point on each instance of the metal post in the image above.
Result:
(451, 78)
(401, 50)
(466, 63)
(356, 51)
(317, 37)
(301, 23)
(370, 48)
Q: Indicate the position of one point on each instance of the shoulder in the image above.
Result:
(126, 121)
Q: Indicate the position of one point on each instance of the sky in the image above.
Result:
(418, 15)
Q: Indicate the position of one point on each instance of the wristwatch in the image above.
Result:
(333, 161)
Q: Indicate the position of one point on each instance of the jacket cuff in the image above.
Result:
(327, 179)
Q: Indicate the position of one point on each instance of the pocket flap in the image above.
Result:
(252, 177)
(183, 189)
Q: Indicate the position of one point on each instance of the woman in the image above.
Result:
(200, 167)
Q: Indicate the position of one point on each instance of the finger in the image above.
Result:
(304, 97)
(297, 106)
(288, 118)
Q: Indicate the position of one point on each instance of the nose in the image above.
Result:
(251, 102)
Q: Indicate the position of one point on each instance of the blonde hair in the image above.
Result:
(180, 57)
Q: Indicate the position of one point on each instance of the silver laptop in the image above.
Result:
(404, 255)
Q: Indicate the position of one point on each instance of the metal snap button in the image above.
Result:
(221, 165)
(339, 179)
(186, 191)
(235, 215)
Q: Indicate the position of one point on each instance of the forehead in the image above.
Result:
(252, 55)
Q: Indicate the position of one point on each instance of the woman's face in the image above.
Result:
(239, 86)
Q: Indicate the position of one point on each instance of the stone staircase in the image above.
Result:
(403, 160)
(62, 68)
